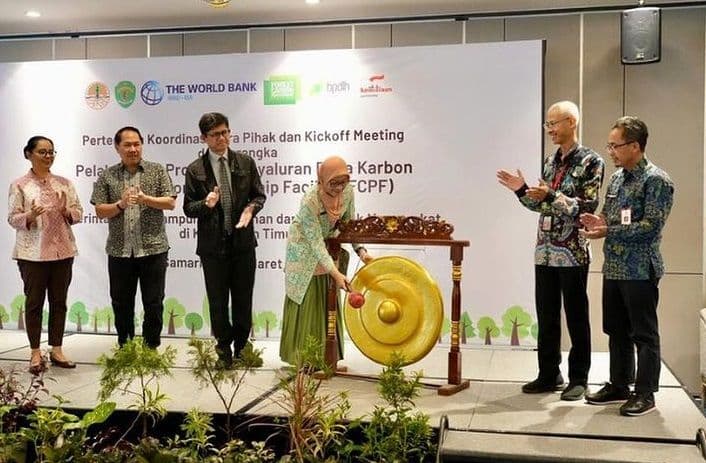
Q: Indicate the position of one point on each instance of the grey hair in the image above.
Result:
(569, 108)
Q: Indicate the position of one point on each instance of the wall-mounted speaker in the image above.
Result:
(640, 35)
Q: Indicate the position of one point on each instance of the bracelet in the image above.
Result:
(118, 204)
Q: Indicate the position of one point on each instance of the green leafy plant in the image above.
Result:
(237, 451)
(196, 445)
(226, 382)
(315, 421)
(395, 432)
(59, 436)
(17, 403)
(135, 369)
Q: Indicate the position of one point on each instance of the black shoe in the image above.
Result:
(248, 355)
(574, 391)
(639, 403)
(225, 358)
(608, 394)
(540, 385)
(224, 363)
(152, 344)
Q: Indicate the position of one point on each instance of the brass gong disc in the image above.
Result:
(403, 310)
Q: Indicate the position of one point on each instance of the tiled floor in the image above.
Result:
(493, 405)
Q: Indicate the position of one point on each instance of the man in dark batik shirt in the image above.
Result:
(638, 201)
(133, 196)
(571, 179)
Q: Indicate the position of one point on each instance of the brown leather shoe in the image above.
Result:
(61, 363)
(37, 368)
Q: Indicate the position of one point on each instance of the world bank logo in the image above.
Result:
(125, 93)
(97, 95)
(151, 93)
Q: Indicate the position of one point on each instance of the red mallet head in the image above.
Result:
(356, 299)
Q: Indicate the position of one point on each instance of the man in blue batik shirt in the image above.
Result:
(638, 201)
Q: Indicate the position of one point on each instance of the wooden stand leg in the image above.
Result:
(455, 381)
(331, 346)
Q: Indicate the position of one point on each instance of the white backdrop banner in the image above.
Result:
(423, 128)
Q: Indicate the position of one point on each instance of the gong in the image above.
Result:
(403, 310)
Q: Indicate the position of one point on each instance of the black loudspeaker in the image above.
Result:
(640, 35)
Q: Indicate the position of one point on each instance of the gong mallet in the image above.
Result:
(355, 298)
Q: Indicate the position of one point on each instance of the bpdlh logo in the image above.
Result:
(329, 88)
(97, 95)
(125, 93)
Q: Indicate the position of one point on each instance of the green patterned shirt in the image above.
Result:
(147, 221)
(305, 244)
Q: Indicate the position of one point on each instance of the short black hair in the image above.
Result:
(119, 134)
(210, 120)
(633, 130)
(32, 144)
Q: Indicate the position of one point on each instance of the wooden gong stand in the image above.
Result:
(403, 231)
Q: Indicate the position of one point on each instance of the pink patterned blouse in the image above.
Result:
(49, 237)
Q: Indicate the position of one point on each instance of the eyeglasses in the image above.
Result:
(612, 146)
(46, 153)
(222, 133)
(551, 124)
(338, 183)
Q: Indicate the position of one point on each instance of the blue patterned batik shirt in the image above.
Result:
(574, 185)
(644, 195)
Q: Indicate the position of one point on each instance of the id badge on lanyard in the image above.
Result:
(546, 223)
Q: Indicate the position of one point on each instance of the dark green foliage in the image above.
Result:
(396, 432)
(135, 369)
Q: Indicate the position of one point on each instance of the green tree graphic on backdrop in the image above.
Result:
(445, 328)
(466, 328)
(206, 312)
(267, 320)
(95, 318)
(100, 317)
(105, 317)
(18, 310)
(516, 324)
(45, 318)
(4, 317)
(173, 315)
(488, 329)
(194, 322)
(78, 314)
(534, 330)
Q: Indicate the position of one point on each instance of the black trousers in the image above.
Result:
(630, 320)
(230, 275)
(124, 273)
(551, 285)
(45, 278)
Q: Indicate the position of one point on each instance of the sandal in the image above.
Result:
(36, 368)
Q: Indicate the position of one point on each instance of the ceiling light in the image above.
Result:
(217, 3)
(32, 14)
(312, 2)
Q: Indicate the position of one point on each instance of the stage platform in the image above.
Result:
(490, 421)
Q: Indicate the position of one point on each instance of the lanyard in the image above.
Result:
(556, 183)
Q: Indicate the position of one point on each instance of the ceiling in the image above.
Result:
(62, 17)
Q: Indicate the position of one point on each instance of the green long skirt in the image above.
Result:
(300, 321)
